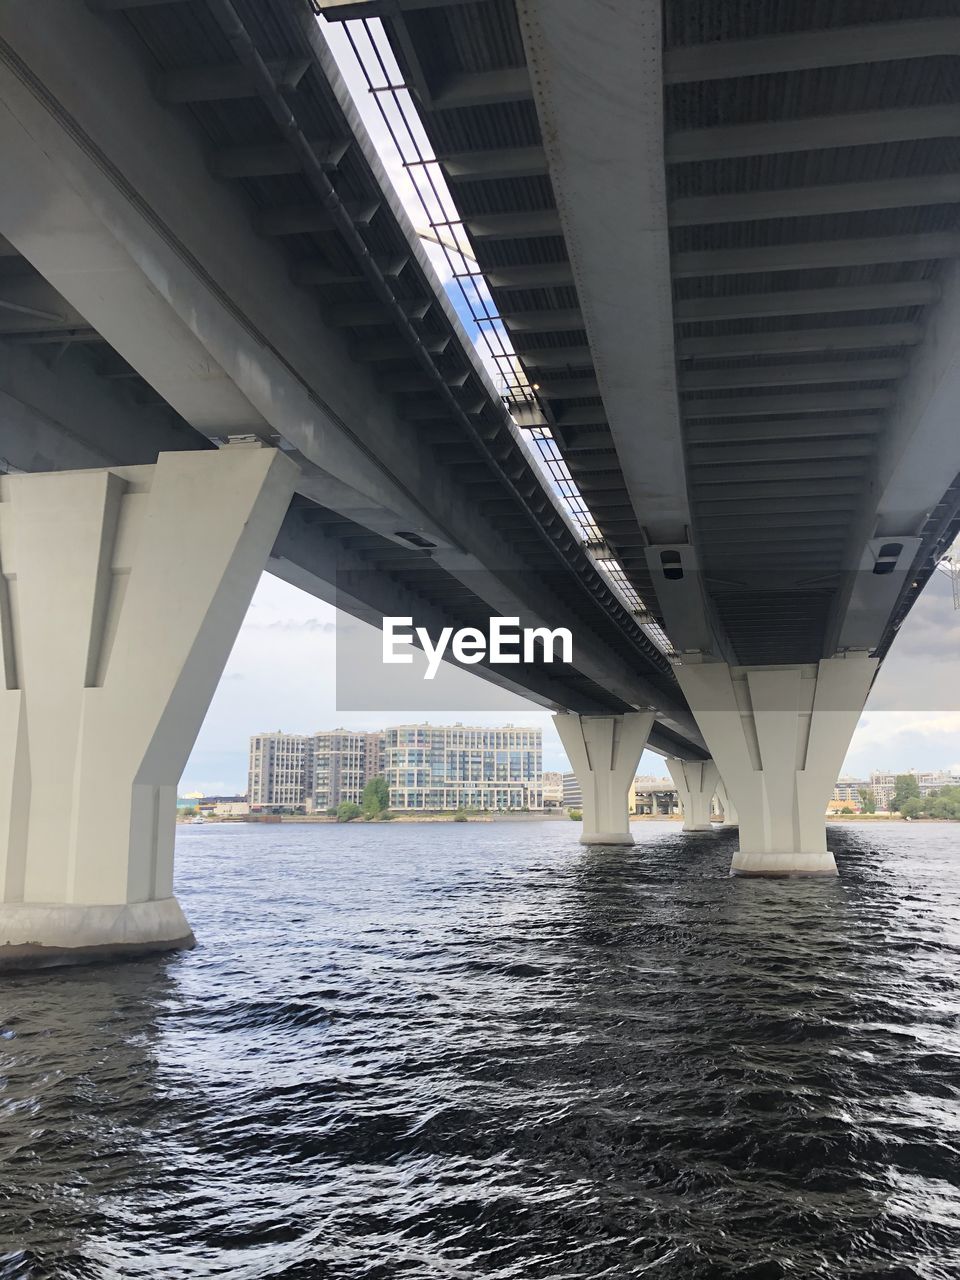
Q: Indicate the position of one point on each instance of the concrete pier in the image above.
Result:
(696, 782)
(604, 752)
(121, 595)
(779, 736)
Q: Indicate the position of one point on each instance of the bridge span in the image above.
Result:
(719, 248)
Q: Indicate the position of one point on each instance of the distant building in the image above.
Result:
(427, 767)
(438, 767)
(344, 761)
(572, 792)
(847, 794)
(553, 790)
(884, 783)
(656, 796)
(844, 806)
(281, 766)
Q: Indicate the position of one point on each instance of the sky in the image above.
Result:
(280, 674)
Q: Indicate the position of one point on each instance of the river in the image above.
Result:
(479, 1051)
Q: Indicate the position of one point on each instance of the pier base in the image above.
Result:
(35, 935)
(121, 594)
(604, 752)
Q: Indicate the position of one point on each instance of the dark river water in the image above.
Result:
(481, 1051)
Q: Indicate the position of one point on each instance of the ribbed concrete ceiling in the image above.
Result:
(811, 154)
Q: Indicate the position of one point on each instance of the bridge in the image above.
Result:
(717, 251)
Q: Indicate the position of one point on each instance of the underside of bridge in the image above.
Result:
(723, 240)
(721, 243)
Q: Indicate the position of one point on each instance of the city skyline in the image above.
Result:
(280, 672)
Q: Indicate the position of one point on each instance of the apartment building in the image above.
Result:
(436, 767)
(884, 783)
(552, 790)
(847, 793)
(572, 792)
(344, 761)
(428, 767)
(281, 766)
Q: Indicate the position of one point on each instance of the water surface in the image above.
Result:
(480, 1051)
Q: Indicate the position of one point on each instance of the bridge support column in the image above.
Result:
(730, 816)
(121, 594)
(779, 736)
(604, 752)
(696, 783)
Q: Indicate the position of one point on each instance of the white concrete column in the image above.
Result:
(779, 736)
(121, 594)
(604, 752)
(696, 783)
(730, 815)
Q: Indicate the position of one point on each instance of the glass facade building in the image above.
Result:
(427, 767)
(436, 767)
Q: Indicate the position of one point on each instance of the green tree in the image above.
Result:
(906, 787)
(868, 801)
(460, 816)
(347, 811)
(376, 798)
(912, 807)
(846, 809)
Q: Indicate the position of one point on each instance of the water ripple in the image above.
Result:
(487, 1053)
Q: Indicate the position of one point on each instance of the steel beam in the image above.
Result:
(222, 83)
(781, 450)
(348, 10)
(731, 527)
(798, 341)
(835, 529)
(813, 133)
(483, 166)
(481, 89)
(808, 202)
(777, 472)
(793, 429)
(805, 50)
(780, 502)
(362, 314)
(804, 302)
(545, 275)
(274, 158)
(569, 388)
(588, 462)
(520, 225)
(301, 219)
(582, 416)
(795, 402)
(387, 349)
(586, 441)
(789, 375)
(780, 497)
(564, 357)
(318, 271)
(807, 255)
(559, 321)
(116, 6)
